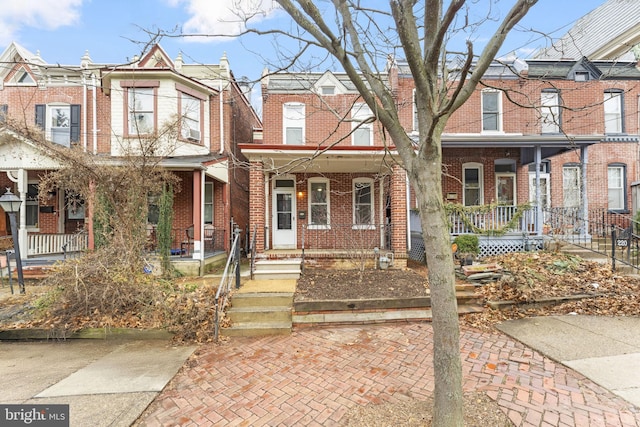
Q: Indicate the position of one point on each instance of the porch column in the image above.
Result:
(257, 214)
(584, 155)
(20, 178)
(538, 222)
(399, 210)
(197, 214)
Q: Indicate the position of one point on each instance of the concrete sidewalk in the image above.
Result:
(604, 349)
(105, 382)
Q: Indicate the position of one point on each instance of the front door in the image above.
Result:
(284, 225)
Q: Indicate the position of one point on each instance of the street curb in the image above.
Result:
(89, 333)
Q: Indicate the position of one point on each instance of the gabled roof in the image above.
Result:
(567, 69)
(608, 32)
(156, 58)
(307, 82)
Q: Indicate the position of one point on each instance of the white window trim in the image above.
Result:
(578, 173)
(371, 225)
(621, 189)
(359, 113)
(480, 167)
(613, 98)
(132, 130)
(326, 181)
(549, 112)
(500, 112)
(191, 117)
(288, 122)
(49, 116)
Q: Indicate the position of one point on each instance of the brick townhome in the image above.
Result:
(103, 108)
(321, 160)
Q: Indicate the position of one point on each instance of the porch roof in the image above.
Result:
(300, 158)
(550, 145)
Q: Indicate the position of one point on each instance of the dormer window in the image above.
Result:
(581, 76)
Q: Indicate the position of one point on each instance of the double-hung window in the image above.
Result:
(191, 112)
(571, 184)
(361, 124)
(550, 111)
(472, 181)
(491, 111)
(208, 202)
(362, 202)
(319, 203)
(293, 115)
(616, 187)
(613, 122)
(141, 107)
(60, 122)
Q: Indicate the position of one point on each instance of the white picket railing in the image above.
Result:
(47, 244)
(496, 219)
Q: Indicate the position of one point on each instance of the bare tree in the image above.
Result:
(359, 39)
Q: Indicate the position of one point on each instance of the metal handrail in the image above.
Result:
(74, 242)
(229, 277)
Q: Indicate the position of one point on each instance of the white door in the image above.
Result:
(284, 218)
(545, 191)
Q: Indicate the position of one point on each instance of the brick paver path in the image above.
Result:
(314, 376)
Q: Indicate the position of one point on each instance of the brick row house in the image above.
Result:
(554, 134)
(105, 109)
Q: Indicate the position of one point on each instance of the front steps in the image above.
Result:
(261, 307)
(277, 269)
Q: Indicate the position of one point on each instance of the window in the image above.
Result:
(328, 90)
(472, 181)
(362, 202)
(613, 111)
(153, 209)
(581, 76)
(294, 123)
(208, 202)
(4, 110)
(318, 202)
(491, 114)
(191, 112)
(505, 171)
(550, 111)
(361, 125)
(616, 178)
(32, 205)
(571, 182)
(61, 122)
(75, 206)
(141, 109)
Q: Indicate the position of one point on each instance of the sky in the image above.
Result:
(113, 31)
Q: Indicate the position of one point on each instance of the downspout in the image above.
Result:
(94, 85)
(381, 213)
(539, 213)
(84, 111)
(221, 96)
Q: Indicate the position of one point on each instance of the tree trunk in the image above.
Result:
(426, 180)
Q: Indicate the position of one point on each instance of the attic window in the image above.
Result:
(25, 78)
(581, 76)
(328, 90)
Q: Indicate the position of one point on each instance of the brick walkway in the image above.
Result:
(314, 376)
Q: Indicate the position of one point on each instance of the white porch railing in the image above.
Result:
(496, 219)
(47, 244)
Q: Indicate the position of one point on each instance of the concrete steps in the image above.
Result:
(286, 268)
(259, 314)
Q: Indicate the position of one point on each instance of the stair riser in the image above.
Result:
(271, 301)
(281, 275)
(259, 317)
(281, 267)
(254, 332)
